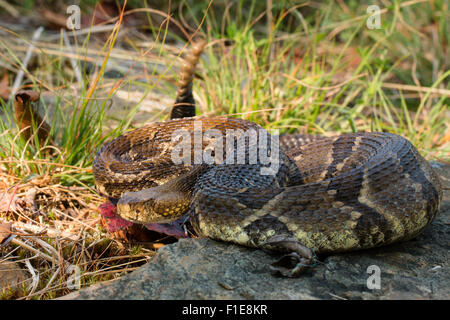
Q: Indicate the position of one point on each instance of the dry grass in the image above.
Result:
(326, 74)
(54, 228)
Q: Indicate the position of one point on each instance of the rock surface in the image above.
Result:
(12, 277)
(207, 269)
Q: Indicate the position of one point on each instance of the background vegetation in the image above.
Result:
(297, 66)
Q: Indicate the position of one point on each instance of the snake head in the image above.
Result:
(154, 205)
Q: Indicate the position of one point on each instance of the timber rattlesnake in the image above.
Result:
(328, 194)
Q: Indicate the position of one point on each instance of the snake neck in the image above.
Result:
(184, 105)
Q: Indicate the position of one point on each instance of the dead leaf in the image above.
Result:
(8, 202)
(4, 87)
(5, 230)
(445, 139)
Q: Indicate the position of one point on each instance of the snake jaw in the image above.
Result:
(153, 206)
(114, 222)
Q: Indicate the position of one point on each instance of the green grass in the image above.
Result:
(77, 121)
(313, 68)
(315, 71)
(342, 78)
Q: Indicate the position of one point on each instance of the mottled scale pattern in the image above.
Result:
(333, 194)
(328, 194)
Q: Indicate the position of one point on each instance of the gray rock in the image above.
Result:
(12, 277)
(207, 269)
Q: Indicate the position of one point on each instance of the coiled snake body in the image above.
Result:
(328, 194)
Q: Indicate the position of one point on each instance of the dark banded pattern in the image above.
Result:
(328, 194)
(376, 190)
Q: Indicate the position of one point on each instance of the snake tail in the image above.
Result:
(184, 105)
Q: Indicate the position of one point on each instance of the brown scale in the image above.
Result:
(330, 194)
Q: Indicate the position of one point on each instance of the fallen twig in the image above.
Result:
(407, 87)
(38, 230)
